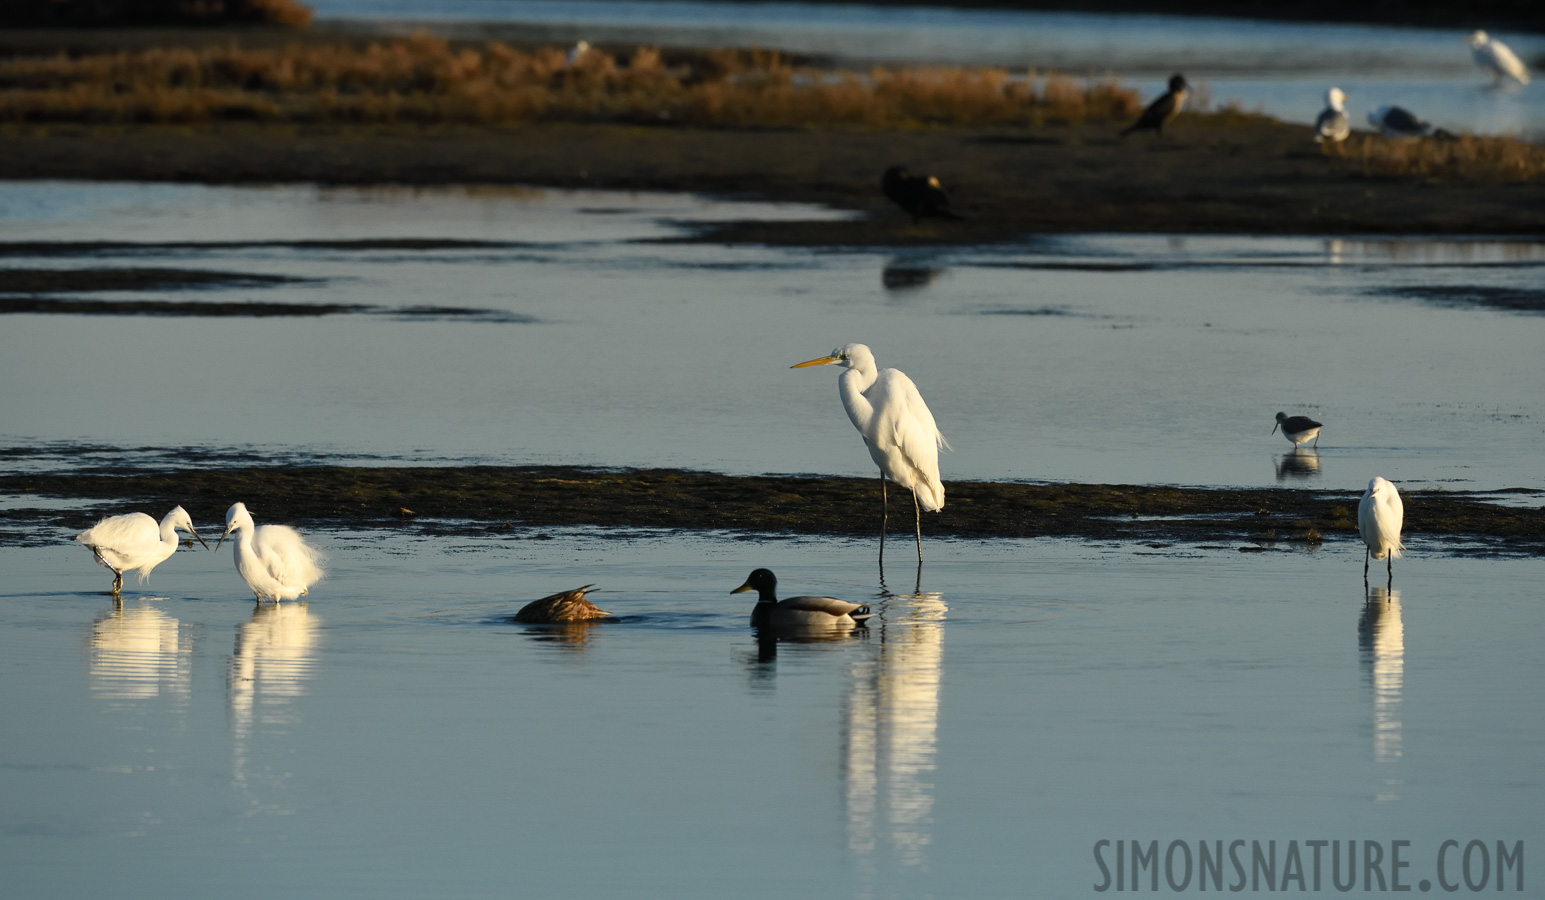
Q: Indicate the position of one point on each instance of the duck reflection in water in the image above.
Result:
(901, 275)
(1299, 463)
(1381, 640)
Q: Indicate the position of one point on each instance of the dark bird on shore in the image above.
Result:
(1298, 429)
(565, 606)
(1397, 121)
(1333, 126)
(1161, 111)
(797, 612)
(921, 195)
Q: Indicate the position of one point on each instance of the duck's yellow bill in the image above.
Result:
(823, 361)
(747, 586)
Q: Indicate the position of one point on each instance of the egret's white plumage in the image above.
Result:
(274, 560)
(1380, 515)
(1333, 126)
(1497, 58)
(896, 425)
(136, 542)
(797, 612)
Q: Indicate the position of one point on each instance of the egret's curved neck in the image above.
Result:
(168, 532)
(851, 385)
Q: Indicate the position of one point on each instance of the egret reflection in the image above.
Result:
(1381, 638)
(138, 653)
(274, 658)
(1299, 463)
(892, 723)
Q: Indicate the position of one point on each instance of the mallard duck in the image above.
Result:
(920, 195)
(797, 612)
(564, 606)
(135, 542)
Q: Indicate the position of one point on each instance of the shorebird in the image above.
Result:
(897, 428)
(1298, 429)
(564, 606)
(1497, 59)
(1333, 126)
(920, 195)
(797, 612)
(1161, 111)
(134, 541)
(1397, 121)
(274, 560)
(1380, 515)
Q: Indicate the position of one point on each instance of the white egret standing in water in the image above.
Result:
(134, 541)
(897, 427)
(1380, 515)
(1497, 58)
(273, 560)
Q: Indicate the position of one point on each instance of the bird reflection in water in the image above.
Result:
(1299, 463)
(574, 636)
(138, 653)
(891, 725)
(274, 658)
(1381, 639)
(900, 275)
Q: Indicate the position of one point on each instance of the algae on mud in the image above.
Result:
(470, 499)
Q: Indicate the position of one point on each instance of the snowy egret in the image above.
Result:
(1333, 126)
(134, 541)
(1161, 111)
(797, 612)
(1298, 429)
(577, 52)
(898, 429)
(920, 195)
(1397, 121)
(564, 606)
(1380, 515)
(273, 560)
(1496, 58)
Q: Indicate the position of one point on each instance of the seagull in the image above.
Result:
(1380, 515)
(1497, 59)
(1395, 121)
(797, 612)
(1298, 429)
(564, 606)
(1333, 126)
(921, 195)
(1162, 110)
(135, 542)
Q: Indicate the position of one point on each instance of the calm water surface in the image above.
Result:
(1280, 68)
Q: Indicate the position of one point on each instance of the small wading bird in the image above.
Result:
(1380, 515)
(897, 427)
(564, 606)
(273, 560)
(1333, 126)
(920, 195)
(1298, 429)
(797, 612)
(135, 542)
(1161, 111)
(1497, 59)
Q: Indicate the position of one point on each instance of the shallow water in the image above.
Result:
(1117, 359)
(397, 737)
(1281, 68)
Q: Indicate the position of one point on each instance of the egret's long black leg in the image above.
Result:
(1366, 554)
(917, 512)
(884, 516)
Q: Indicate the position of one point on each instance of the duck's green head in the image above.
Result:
(763, 581)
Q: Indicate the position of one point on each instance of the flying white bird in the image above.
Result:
(897, 427)
(1380, 515)
(135, 542)
(1497, 59)
(1333, 126)
(273, 560)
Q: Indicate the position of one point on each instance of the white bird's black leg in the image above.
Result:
(884, 516)
(1366, 554)
(917, 513)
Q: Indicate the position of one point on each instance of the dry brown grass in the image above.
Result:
(1463, 157)
(425, 79)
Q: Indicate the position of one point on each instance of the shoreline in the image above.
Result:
(502, 499)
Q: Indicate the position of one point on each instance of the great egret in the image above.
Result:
(1397, 121)
(1161, 111)
(1298, 429)
(273, 560)
(1333, 126)
(1380, 515)
(1496, 58)
(920, 195)
(134, 541)
(797, 612)
(564, 606)
(897, 427)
